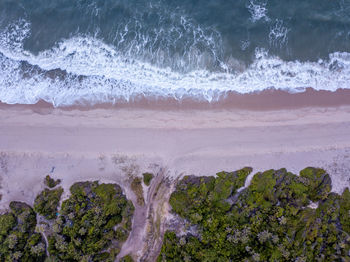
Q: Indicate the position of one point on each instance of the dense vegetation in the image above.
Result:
(92, 223)
(46, 203)
(279, 217)
(18, 240)
(271, 220)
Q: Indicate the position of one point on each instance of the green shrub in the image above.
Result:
(92, 220)
(195, 196)
(46, 203)
(126, 258)
(147, 177)
(318, 182)
(50, 182)
(18, 241)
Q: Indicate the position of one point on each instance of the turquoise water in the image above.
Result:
(66, 52)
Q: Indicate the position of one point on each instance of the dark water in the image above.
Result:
(110, 50)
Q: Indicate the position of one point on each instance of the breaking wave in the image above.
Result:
(83, 69)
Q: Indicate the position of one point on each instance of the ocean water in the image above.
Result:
(95, 51)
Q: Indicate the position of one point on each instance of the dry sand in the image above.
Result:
(109, 144)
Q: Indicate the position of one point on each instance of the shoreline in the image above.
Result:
(267, 100)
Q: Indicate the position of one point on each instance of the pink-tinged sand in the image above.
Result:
(109, 143)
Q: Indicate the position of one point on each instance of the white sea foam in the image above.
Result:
(278, 35)
(176, 41)
(97, 72)
(257, 10)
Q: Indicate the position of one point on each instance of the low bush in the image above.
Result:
(147, 177)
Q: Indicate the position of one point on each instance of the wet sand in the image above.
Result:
(269, 99)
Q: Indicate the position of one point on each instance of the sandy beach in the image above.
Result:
(107, 144)
(114, 145)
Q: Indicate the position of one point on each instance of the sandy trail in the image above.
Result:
(150, 219)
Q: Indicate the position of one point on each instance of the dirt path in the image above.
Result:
(149, 221)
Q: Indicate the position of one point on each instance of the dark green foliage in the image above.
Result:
(147, 177)
(7, 222)
(126, 258)
(18, 241)
(50, 182)
(195, 197)
(46, 203)
(318, 182)
(96, 218)
(344, 210)
(136, 187)
(268, 221)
